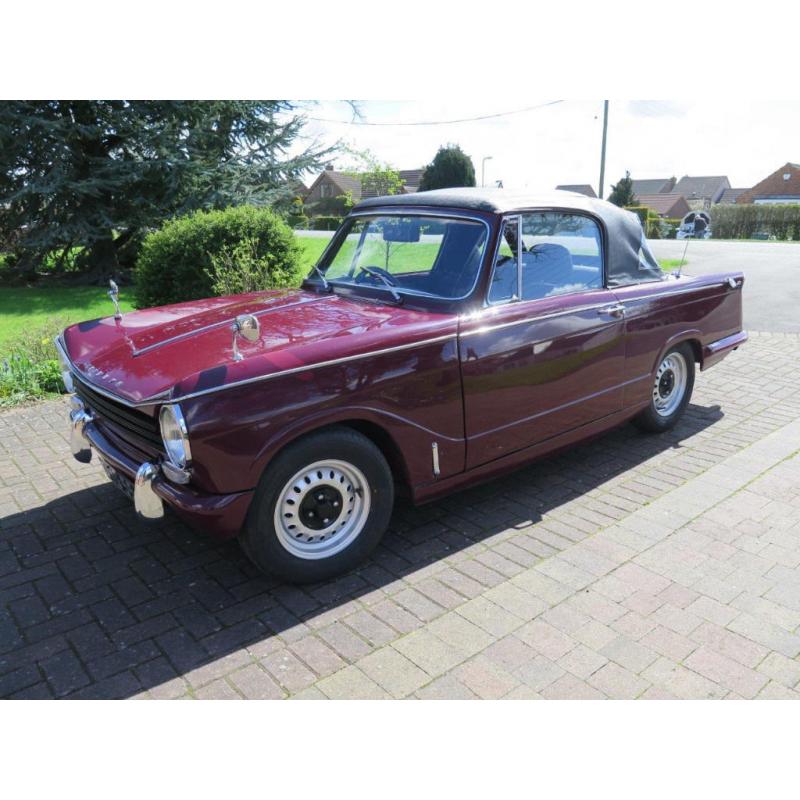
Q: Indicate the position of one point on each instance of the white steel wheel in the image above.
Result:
(670, 384)
(322, 509)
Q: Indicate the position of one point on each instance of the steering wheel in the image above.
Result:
(375, 271)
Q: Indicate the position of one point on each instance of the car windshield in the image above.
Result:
(433, 256)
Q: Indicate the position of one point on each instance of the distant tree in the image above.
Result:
(92, 176)
(451, 166)
(622, 192)
(377, 178)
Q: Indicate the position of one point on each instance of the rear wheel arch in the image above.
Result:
(689, 338)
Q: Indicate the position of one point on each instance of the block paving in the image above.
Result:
(632, 566)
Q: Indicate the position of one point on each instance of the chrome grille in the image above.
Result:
(128, 423)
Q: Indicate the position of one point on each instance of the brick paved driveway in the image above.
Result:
(632, 566)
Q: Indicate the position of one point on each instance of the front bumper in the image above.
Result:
(221, 515)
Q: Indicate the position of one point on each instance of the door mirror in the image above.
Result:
(401, 230)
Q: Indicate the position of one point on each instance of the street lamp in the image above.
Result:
(483, 169)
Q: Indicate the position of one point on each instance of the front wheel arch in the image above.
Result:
(376, 433)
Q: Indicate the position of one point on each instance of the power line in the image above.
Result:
(436, 122)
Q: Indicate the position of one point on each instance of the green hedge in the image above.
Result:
(649, 219)
(755, 221)
(324, 223)
(212, 252)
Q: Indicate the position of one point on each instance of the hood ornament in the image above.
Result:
(113, 293)
(246, 326)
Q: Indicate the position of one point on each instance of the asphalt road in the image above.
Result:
(772, 276)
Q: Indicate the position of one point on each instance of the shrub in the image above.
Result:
(243, 268)
(184, 259)
(29, 366)
(324, 223)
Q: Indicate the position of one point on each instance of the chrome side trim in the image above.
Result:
(563, 406)
(688, 289)
(164, 397)
(537, 318)
(318, 365)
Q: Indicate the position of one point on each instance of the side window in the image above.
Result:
(504, 284)
(561, 253)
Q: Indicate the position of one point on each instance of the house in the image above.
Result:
(783, 186)
(648, 186)
(579, 188)
(731, 195)
(327, 193)
(411, 179)
(667, 206)
(702, 191)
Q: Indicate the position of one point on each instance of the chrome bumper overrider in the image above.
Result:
(147, 503)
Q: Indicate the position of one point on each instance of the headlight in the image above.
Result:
(175, 435)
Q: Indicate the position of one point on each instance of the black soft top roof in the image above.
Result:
(628, 257)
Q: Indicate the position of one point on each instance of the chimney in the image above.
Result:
(329, 167)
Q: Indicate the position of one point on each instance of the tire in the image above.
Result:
(671, 391)
(320, 508)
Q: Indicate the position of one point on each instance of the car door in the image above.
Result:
(547, 354)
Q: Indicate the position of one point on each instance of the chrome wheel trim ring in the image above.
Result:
(669, 386)
(322, 478)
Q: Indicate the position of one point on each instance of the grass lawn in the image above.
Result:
(669, 264)
(22, 307)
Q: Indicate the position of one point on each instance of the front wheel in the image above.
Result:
(671, 391)
(320, 508)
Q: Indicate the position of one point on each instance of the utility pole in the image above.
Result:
(603, 150)
(483, 170)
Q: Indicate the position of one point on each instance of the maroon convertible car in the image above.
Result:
(442, 338)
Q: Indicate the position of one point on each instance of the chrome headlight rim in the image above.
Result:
(177, 448)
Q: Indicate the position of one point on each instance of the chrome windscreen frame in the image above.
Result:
(406, 212)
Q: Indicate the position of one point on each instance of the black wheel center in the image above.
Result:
(667, 383)
(320, 507)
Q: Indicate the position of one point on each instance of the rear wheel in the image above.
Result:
(671, 390)
(320, 508)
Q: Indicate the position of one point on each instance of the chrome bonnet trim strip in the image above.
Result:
(224, 323)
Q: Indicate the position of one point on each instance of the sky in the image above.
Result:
(557, 144)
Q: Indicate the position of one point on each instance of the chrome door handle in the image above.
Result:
(617, 311)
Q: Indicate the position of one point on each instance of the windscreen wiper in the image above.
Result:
(322, 277)
(376, 273)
